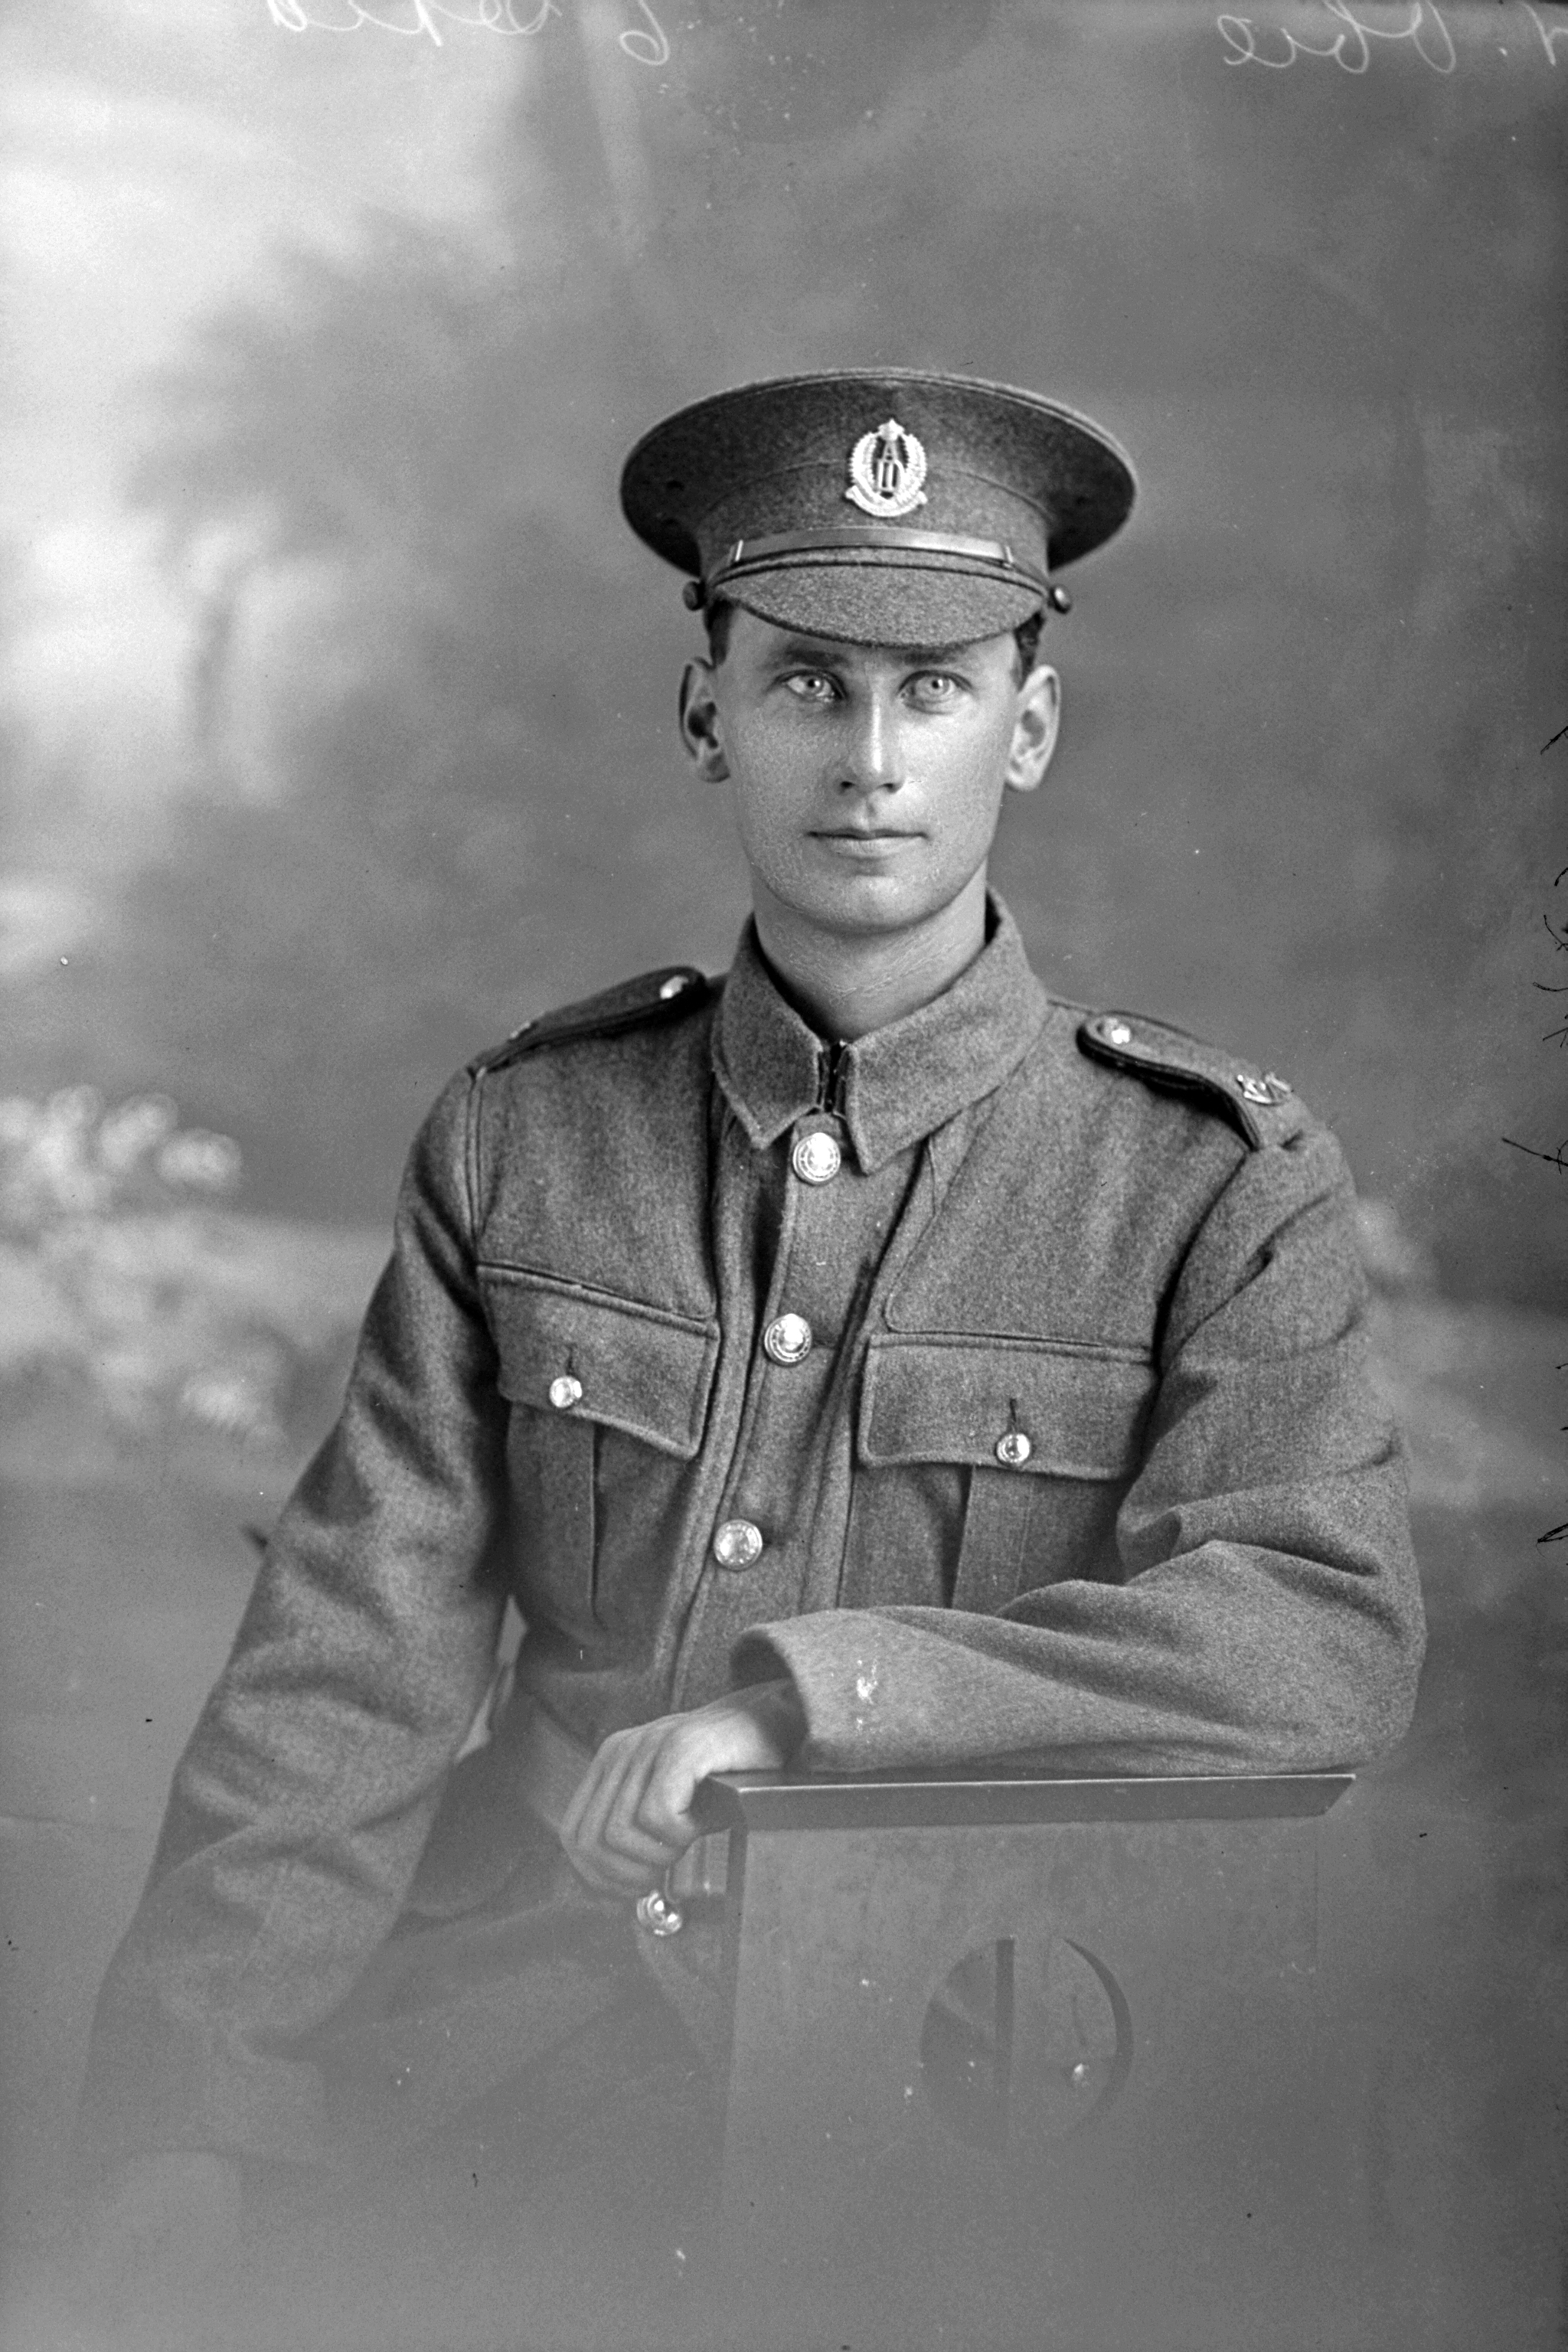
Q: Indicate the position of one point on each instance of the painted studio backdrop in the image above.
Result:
(336, 715)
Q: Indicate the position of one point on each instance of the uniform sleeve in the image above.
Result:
(301, 1803)
(1268, 1615)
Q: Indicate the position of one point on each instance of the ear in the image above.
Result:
(699, 722)
(1035, 729)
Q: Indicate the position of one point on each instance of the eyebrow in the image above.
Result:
(830, 649)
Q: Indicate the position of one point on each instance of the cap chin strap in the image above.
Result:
(748, 555)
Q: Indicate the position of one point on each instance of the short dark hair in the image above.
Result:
(717, 617)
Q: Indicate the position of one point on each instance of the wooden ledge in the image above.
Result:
(989, 1796)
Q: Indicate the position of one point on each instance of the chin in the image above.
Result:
(875, 907)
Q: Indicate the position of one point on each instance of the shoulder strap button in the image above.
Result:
(1168, 1058)
(636, 1004)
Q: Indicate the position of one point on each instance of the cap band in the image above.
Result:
(758, 554)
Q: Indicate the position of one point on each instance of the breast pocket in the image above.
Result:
(583, 1370)
(1048, 1435)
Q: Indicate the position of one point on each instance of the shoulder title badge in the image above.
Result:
(886, 471)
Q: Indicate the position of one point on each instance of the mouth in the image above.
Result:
(861, 837)
(860, 846)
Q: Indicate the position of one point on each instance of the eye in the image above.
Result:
(936, 689)
(811, 686)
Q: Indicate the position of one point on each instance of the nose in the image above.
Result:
(873, 756)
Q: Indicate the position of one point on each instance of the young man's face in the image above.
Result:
(867, 780)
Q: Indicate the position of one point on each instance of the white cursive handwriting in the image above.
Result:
(1351, 48)
(1550, 34)
(650, 48)
(648, 43)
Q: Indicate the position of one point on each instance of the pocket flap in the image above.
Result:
(638, 1368)
(955, 1400)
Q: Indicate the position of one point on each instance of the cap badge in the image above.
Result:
(887, 468)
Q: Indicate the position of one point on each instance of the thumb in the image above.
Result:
(685, 1760)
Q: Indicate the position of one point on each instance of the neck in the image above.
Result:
(848, 984)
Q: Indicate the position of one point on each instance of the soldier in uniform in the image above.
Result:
(861, 1359)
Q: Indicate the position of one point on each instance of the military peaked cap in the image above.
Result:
(887, 506)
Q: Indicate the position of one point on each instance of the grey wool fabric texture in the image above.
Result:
(1191, 1553)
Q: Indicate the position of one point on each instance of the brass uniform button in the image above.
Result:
(816, 1158)
(738, 1544)
(1013, 1449)
(564, 1391)
(658, 1915)
(1117, 1032)
(787, 1339)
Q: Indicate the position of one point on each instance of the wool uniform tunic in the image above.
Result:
(999, 1376)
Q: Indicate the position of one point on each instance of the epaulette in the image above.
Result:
(652, 997)
(1259, 1105)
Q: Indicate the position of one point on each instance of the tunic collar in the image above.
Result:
(897, 1083)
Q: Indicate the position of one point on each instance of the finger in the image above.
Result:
(582, 1822)
(631, 1828)
(599, 1831)
(634, 1857)
(607, 1874)
(606, 1763)
(620, 1769)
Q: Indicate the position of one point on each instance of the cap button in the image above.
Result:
(738, 1544)
(565, 1392)
(787, 1339)
(816, 1158)
(1013, 1449)
(1117, 1032)
(676, 986)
